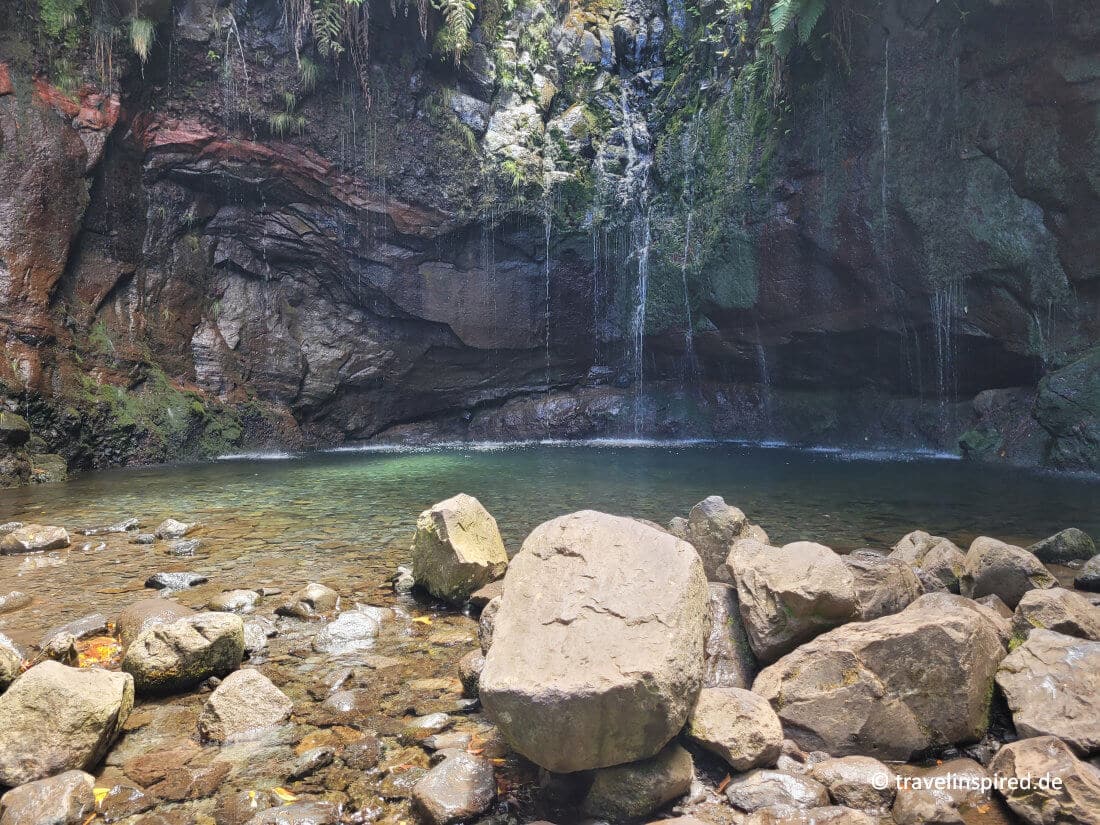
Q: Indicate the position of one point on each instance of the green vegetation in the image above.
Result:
(142, 33)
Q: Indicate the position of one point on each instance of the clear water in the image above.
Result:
(371, 498)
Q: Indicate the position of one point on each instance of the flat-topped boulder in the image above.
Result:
(892, 687)
(1057, 609)
(1052, 684)
(31, 538)
(597, 652)
(175, 657)
(1004, 570)
(457, 549)
(244, 703)
(56, 718)
(788, 595)
(147, 613)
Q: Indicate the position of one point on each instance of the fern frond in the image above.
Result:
(328, 26)
(782, 13)
(458, 15)
(808, 19)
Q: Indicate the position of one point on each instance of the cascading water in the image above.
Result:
(548, 225)
(944, 308)
(641, 240)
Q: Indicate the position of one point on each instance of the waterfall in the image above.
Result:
(641, 240)
(944, 307)
(547, 227)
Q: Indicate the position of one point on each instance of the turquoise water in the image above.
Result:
(371, 499)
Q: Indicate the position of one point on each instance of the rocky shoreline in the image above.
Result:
(613, 670)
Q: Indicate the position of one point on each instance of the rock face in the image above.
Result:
(791, 594)
(597, 654)
(738, 725)
(65, 799)
(1070, 544)
(1057, 609)
(629, 792)
(245, 702)
(999, 569)
(1052, 684)
(892, 687)
(175, 657)
(730, 662)
(458, 788)
(1075, 803)
(55, 718)
(33, 537)
(457, 549)
(712, 526)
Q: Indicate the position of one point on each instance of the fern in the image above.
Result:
(793, 22)
(808, 19)
(328, 26)
(308, 73)
(142, 33)
(458, 17)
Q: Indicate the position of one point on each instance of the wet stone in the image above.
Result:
(420, 728)
(144, 538)
(362, 753)
(122, 801)
(65, 799)
(457, 789)
(175, 581)
(311, 602)
(15, 600)
(234, 601)
(310, 761)
(172, 529)
(299, 813)
(184, 548)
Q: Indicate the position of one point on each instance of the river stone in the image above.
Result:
(597, 654)
(485, 623)
(245, 702)
(1070, 544)
(311, 602)
(1057, 609)
(469, 672)
(1075, 803)
(789, 595)
(712, 526)
(857, 782)
(352, 630)
(943, 566)
(457, 549)
(730, 662)
(766, 789)
(1088, 577)
(993, 567)
(637, 789)
(912, 548)
(829, 815)
(234, 601)
(55, 718)
(65, 799)
(183, 548)
(458, 788)
(11, 662)
(297, 813)
(31, 538)
(147, 613)
(172, 529)
(15, 600)
(175, 581)
(14, 429)
(891, 687)
(176, 657)
(738, 725)
(1052, 684)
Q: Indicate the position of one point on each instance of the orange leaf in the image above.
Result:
(722, 785)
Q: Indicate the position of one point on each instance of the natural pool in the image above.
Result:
(346, 519)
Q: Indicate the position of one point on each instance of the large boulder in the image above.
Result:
(65, 799)
(31, 538)
(457, 789)
(892, 687)
(597, 654)
(11, 662)
(712, 526)
(1052, 684)
(245, 702)
(147, 613)
(55, 718)
(175, 657)
(730, 662)
(1066, 545)
(1088, 577)
(457, 549)
(993, 567)
(632, 791)
(857, 782)
(738, 725)
(775, 789)
(789, 595)
(1075, 802)
(1057, 609)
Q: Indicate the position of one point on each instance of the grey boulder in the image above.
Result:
(597, 654)
(634, 790)
(175, 657)
(245, 703)
(1057, 609)
(1066, 545)
(1076, 802)
(458, 788)
(737, 725)
(999, 569)
(457, 549)
(65, 799)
